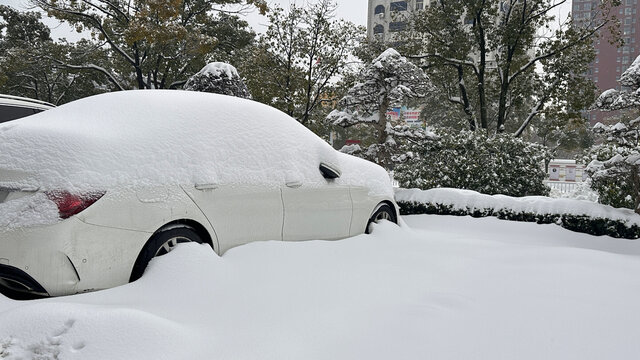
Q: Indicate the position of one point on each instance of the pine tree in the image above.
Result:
(218, 78)
(615, 169)
(390, 81)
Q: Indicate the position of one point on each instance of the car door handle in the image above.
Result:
(204, 187)
(294, 184)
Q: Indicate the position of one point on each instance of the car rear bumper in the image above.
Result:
(16, 280)
(67, 257)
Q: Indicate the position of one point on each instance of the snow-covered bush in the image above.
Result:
(615, 165)
(218, 78)
(497, 164)
(390, 81)
(576, 215)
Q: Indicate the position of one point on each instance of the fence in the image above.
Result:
(562, 186)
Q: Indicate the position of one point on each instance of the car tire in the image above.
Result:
(382, 212)
(162, 242)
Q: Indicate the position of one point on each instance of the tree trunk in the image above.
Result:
(465, 99)
(635, 175)
(502, 103)
(482, 45)
(381, 128)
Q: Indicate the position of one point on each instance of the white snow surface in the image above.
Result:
(442, 287)
(468, 199)
(150, 137)
(218, 68)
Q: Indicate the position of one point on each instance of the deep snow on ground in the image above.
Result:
(440, 288)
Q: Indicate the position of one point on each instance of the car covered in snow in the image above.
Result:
(91, 191)
(15, 107)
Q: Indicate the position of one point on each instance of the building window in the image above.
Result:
(378, 29)
(397, 26)
(419, 4)
(379, 10)
(398, 6)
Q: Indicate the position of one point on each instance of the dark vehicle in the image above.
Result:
(15, 107)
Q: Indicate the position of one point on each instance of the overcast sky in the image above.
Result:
(352, 10)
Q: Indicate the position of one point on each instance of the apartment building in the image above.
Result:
(388, 17)
(610, 61)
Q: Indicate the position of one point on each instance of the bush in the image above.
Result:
(498, 164)
(614, 165)
(613, 188)
(579, 223)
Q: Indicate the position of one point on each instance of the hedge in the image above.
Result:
(578, 223)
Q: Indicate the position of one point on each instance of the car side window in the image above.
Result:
(14, 112)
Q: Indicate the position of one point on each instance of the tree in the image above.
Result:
(218, 78)
(389, 81)
(26, 65)
(151, 44)
(485, 52)
(305, 50)
(615, 168)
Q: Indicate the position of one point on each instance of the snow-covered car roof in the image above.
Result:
(145, 137)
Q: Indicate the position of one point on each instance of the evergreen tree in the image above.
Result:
(218, 78)
(390, 81)
(615, 168)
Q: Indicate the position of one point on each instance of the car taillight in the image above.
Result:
(71, 204)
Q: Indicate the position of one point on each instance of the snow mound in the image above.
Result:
(467, 199)
(445, 288)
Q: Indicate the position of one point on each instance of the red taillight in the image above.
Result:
(71, 204)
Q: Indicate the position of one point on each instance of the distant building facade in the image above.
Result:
(388, 17)
(610, 61)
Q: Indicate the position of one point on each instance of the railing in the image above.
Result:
(562, 186)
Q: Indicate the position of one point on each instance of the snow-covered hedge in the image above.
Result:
(577, 215)
(497, 164)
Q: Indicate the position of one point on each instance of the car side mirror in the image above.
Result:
(329, 172)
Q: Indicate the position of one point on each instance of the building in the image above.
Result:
(386, 17)
(610, 61)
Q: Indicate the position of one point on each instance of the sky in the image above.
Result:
(351, 10)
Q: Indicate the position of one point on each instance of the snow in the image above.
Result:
(440, 288)
(467, 199)
(631, 76)
(144, 138)
(28, 211)
(157, 137)
(218, 68)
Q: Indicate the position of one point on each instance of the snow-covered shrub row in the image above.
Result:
(576, 215)
(496, 164)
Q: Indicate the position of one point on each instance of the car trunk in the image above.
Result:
(16, 184)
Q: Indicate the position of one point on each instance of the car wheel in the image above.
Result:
(382, 212)
(162, 242)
